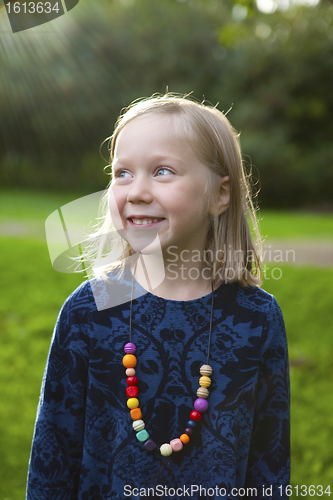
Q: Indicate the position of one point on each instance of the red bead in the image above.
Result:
(132, 380)
(195, 415)
(132, 391)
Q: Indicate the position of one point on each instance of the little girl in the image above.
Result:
(168, 374)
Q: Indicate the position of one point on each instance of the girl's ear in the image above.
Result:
(222, 200)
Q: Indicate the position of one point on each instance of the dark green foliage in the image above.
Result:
(60, 94)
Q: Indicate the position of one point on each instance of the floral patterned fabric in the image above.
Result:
(84, 446)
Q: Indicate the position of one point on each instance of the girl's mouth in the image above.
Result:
(145, 221)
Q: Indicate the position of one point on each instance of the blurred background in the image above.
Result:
(269, 64)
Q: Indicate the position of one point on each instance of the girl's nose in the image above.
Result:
(139, 191)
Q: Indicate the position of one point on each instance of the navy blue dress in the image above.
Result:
(84, 446)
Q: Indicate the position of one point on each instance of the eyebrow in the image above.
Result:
(152, 158)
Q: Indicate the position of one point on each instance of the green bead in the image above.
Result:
(142, 435)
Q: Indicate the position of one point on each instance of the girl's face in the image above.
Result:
(158, 186)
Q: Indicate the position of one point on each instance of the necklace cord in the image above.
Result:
(211, 314)
(131, 305)
(200, 404)
(211, 323)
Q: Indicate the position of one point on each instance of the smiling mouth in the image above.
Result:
(145, 221)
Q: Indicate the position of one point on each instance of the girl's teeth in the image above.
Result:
(140, 222)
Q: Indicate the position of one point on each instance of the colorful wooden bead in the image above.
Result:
(184, 438)
(132, 381)
(195, 415)
(130, 372)
(201, 405)
(132, 391)
(202, 392)
(176, 444)
(189, 431)
(191, 424)
(136, 414)
(130, 348)
(149, 445)
(166, 450)
(142, 436)
(133, 403)
(205, 381)
(129, 361)
(206, 370)
(138, 425)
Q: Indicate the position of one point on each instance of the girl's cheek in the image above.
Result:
(115, 207)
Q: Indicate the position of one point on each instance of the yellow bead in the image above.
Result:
(132, 403)
(129, 361)
(206, 370)
(204, 381)
(184, 438)
(202, 392)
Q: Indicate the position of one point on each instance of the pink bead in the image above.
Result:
(176, 444)
(130, 348)
(130, 372)
(201, 405)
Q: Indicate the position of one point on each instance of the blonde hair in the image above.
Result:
(216, 145)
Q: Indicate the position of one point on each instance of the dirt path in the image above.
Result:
(318, 253)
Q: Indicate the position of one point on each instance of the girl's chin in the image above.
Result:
(146, 245)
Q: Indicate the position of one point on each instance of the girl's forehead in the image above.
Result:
(153, 129)
(153, 138)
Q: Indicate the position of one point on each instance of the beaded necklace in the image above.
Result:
(132, 392)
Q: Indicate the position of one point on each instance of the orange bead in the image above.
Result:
(129, 360)
(136, 414)
(184, 438)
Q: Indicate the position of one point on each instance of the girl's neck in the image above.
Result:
(181, 280)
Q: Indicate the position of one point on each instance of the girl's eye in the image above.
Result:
(163, 171)
(121, 174)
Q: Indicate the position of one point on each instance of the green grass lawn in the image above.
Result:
(32, 294)
(296, 225)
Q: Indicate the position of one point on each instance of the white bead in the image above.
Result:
(202, 392)
(138, 425)
(166, 450)
(206, 370)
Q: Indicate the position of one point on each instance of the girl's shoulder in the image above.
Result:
(103, 292)
(256, 298)
(80, 302)
(248, 301)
